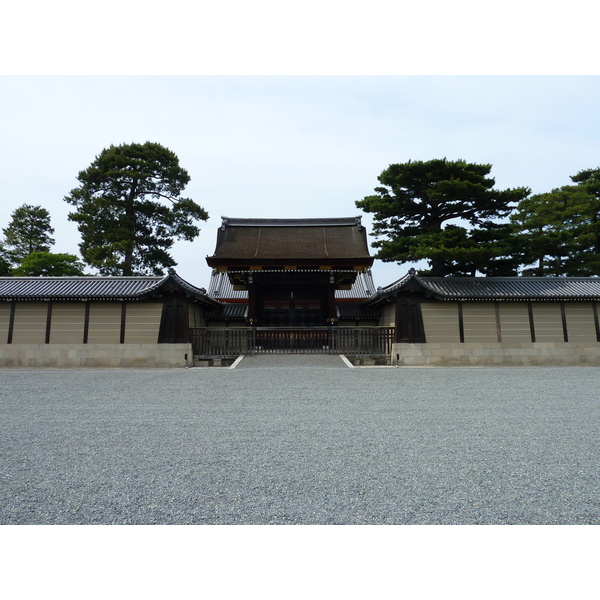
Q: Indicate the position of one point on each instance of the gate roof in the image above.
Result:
(301, 242)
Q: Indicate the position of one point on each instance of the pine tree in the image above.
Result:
(417, 208)
(558, 232)
(28, 231)
(129, 210)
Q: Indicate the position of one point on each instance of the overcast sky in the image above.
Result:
(289, 146)
(293, 111)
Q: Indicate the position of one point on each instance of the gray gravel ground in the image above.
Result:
(300, 440)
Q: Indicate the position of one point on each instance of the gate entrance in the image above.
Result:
(229, 342)
(292, 308)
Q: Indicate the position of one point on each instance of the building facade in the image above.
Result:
(300, 285)
(291, 272)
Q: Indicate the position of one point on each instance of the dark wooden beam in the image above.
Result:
(86, 323)
(563, 316)
(48, 322)
(531, 321)
(11, 322)
(123, 322)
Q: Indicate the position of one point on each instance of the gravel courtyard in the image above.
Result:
(300, 440)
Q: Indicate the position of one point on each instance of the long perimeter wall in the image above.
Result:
(86, 334)
(509, 333)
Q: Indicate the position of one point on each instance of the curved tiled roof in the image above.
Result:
(226, 311)
(279, 240)
(93, 288)
(496, 288)
(16, 288)
(554, 288)
(220, 288)
(325, 222)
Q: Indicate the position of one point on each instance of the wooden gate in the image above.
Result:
(229, 342)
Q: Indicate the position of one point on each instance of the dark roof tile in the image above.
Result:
(93, 288)
(290, 239)
(497, 288)
(220, 288)
(75, 287)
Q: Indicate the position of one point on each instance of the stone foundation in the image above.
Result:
(95, 355)
(485, 354)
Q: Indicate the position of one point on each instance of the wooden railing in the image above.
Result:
(228, 342)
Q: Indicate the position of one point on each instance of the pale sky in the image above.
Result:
(289, 146)
(286, 110)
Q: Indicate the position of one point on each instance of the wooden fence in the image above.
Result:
(228, 342)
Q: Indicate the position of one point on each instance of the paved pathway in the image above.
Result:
(292, 361)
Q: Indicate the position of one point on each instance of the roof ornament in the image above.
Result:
(412, 271)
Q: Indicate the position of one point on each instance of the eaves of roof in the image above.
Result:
(75, 288)
(325, 222)
(495, 288)
(306, 242)
(101, 288)
(357, 311)
(221, 288)
(236, 312)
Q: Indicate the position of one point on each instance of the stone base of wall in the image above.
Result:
(65, 356)
(482, 354)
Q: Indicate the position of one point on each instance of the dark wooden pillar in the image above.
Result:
(11, 322)
(48, 322)
(563, 316)
(461, 323)
(331, 313)
(123, 321)
(86, 322)
(252, 302)
(531, 321)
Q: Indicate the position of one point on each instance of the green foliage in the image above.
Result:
(589, 180)
(28, 231)
(129, 210)
(416, 204)
(5, 268)
(50, 265)
(559, 232)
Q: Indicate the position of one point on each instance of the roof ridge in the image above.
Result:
(79, 277)
(290, 222)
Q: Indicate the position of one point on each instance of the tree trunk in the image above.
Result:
(540, 269)
(438, 267)
(130, 223)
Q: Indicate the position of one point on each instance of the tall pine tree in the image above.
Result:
(419, 208)
(28, 231)
(558, 232)
(129, 209)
